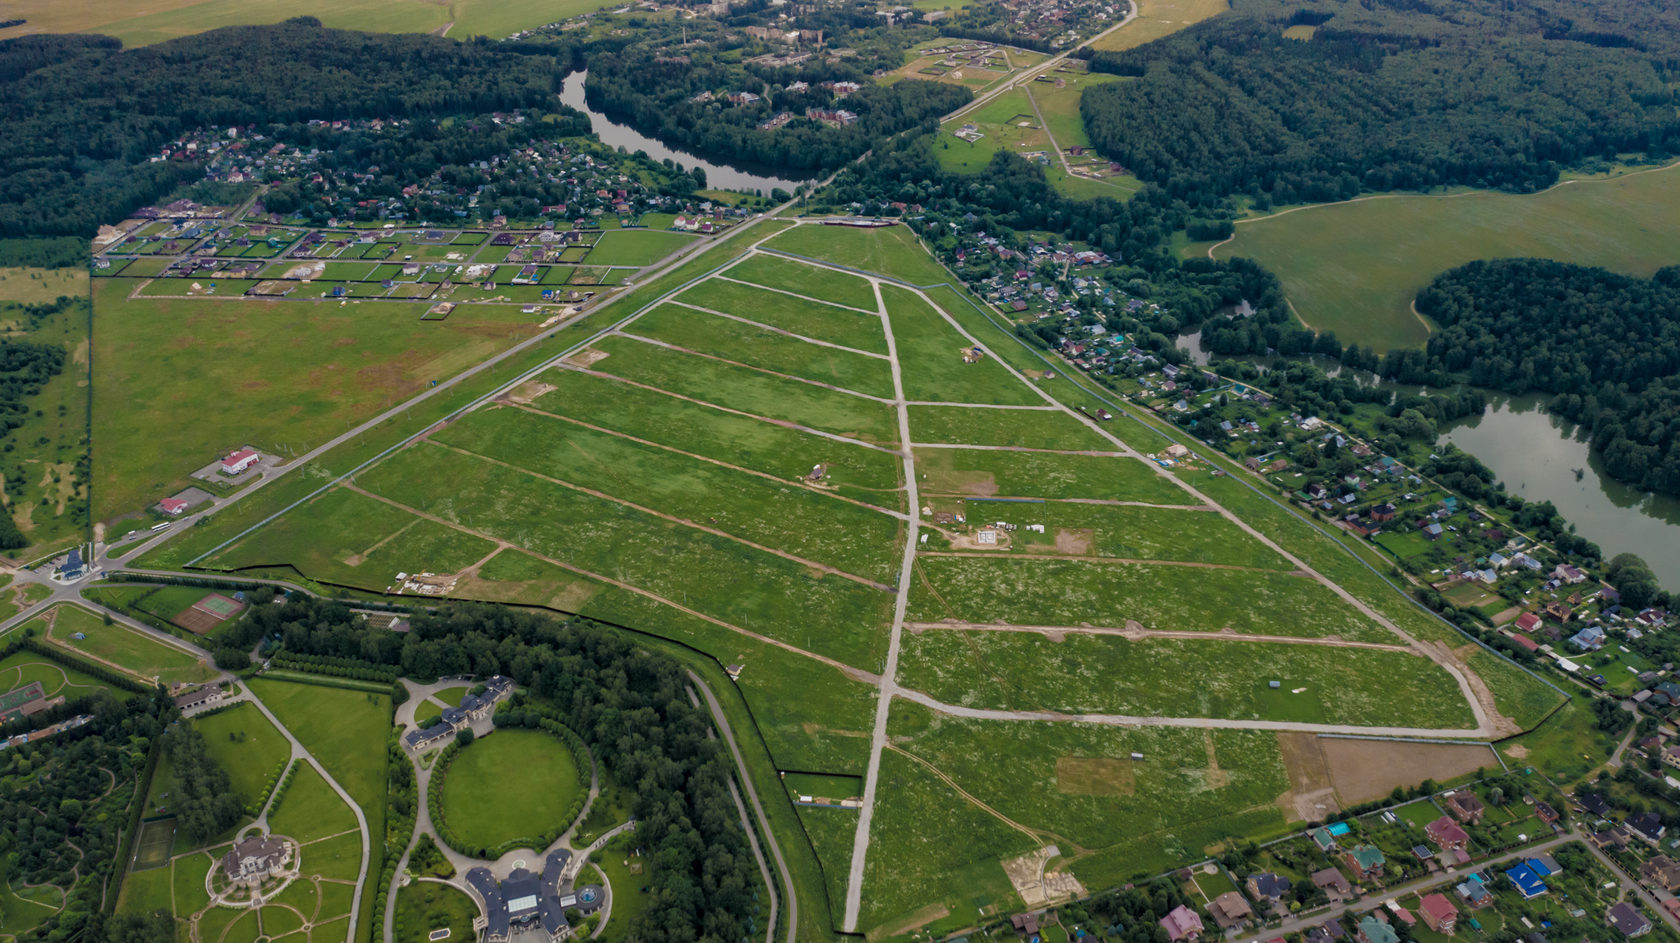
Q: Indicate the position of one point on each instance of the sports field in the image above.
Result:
(158, 20)
(1355, 267)
(511, 784)
(724, 490)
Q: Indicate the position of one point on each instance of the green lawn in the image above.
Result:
(1107, 674)
(425, 906)
(24, 667)
(161, 360)
(511, 784)
(426, 713)
(823, 322)
(765, 349)
(890, 250)
(452, 696)
(1354, 268)
(636, 246)
(247, 746)
(1037, 475)
(1130, 533)
(809, 280)
(124, 646)
(628, 877)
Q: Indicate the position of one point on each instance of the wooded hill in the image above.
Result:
(1389, 94)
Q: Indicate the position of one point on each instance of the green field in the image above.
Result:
(636, 246)
(425, 906)
(310, 810)
(1019, 428)
(812, 319)
(1038, 475)
(1157, 18)
(119, 645)
(1111, 675)
(766, 349)
(285, 375)
(247, 746)
(1355, 267)
(889, 250)
(509, 785)
(44, 490)
(1120, 532)
(820, 283)
(931, 353)
(168, 19)
(24, 667)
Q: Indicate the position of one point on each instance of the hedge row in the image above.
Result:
(347, 684)
(92, 669)
(274, 781)
(401, 795)
(338, 667)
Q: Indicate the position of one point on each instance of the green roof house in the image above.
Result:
(1372, 930)
(1366, 861)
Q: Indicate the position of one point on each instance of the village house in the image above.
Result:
(1627, 919)
(1333, 883)
(1464, 806)
(1438, 913)
(1366, 862)
(1229, 910)
(1373, 929)
(1661, 871)
(1182, 923)
(1447, 834)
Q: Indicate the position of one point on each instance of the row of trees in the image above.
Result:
(203, 799)
(629, 706)
(1385, 97)
(1606, 346)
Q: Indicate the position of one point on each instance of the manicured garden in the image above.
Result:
(509, 785)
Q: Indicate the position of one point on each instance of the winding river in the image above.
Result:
(744, 177)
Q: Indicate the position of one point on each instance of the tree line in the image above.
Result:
(1605, 346)
(1387, 95)
(629, 705)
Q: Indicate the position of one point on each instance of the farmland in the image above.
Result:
(166, 19)
(1355, 267)
(753, 511)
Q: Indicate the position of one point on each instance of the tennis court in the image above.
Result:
(151, 850)
(207, 613)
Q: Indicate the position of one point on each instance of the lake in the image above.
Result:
(744, 177)
(1536, 455)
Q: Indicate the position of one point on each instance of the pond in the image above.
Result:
(744, 177)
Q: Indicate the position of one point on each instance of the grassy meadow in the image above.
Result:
(1157, 18)
(1355, 267)
(39, 483)
(184, 381)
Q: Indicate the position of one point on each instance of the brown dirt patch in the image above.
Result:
(1363, 770)
(306, 270)
(196, 621)
(1095, 776)
(1075, 540)
(585, 358)
(526, 392)
(1216, 777)
(1310, 797)
(981, 484)
(970, 542)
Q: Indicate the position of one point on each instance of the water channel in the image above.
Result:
(1537, 455)
(745, 177)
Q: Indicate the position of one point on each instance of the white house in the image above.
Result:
(239, 461)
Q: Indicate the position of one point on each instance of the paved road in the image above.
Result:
(1037, 70)
(722, 722)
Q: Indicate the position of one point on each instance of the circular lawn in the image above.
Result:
(514, 783)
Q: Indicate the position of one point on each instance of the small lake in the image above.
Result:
(1536, 454)
(745, 177)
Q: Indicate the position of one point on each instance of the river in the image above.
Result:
(1536, 454)
(744, 177)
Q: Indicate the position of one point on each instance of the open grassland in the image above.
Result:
(1019, 428)
(812, 716)
(310, 810)
(352, 539)
(981, 473)
(916, 872)
(637, 247)
(723, 578)
(1157, 18)
(1121, 532)
(123, 648)
(1008, 124)
(40, 285)
(831, 833)
(931, 355)
(747, 390)
(1163, 597)
(870, 474)
(1517, 695)
(1568, 746)
(1355, 267)
(1078, 785)
(889, 250)
(510, 784)
(766, 349)
(185, 381)
(154, 21)
(813, 319)
(808, 280)
(800, 521)
(1151, 677)
(247, 746)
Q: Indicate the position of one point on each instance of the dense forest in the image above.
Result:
(1388, 94)
(84, 117)
(629, 705)
(1606, 346)
(204, 802)
(664, 93)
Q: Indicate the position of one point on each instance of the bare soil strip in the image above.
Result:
(1093, 558)
(1132, 630)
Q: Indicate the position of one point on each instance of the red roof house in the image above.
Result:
(239, 461)
(1438, 912)
(172, 506)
